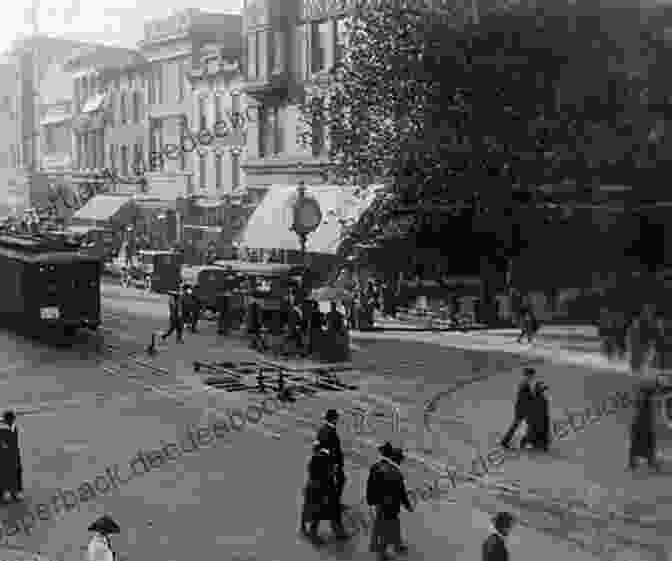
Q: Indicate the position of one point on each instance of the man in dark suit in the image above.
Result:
(176, 316)
(494, 547)
(386, 493)
(521, 410)
(12, 470)
(328, 438)
(222, 305)
(320, 497)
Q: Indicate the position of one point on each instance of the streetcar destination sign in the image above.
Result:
(50, 313)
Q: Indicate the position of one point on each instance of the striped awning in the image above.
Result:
(102, 207)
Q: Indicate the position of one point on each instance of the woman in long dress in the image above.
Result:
(642, 433)
(320, 498)
(539, 420)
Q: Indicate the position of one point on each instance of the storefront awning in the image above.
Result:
(55, 119)
(80, 229)
(102, 207)
(211, 229)
(154, 204)
(269, 225)
(94, 103)
(208, 203)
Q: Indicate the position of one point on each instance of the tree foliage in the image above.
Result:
(476, 117)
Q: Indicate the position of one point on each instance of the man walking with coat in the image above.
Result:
(176, 316)
(494, 547)
(521, 410)
(320, 497)
(328, 438)
(386, 493)
(12, 470)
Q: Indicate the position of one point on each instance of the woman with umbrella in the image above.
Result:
(100, 547)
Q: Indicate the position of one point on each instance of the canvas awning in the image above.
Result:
(55, 118)
(102, 208)
(211, 229)
(80, 229)
(269, 225)
(154, 204)
(94, 103)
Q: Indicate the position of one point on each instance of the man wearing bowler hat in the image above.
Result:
(100, 547)
(522, 407)
(328, 438)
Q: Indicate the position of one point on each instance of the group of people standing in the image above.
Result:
(385, 491)
(184, 309)
(532, 407)
(306, 329)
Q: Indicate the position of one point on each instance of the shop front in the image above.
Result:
(209, 228)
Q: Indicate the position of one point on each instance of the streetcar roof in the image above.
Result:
(259, 269)
(47, 257)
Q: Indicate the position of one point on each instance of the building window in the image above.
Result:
(159, 84)
(319, 38)
(124, 161)
(112, 164)
(155, 84)
(137, 109)
(218, 171)
(317, 136)
(181, 78)
(252, 56)
(277, 52)
(137, 159)
(202, 113)
(341, 39)
(270, 132)
(151, 93)
(113, 112)
(219, 109)
(202, 171)
(49, 139)
(123, 109)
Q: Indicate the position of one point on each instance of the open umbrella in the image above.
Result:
(105, 525)
(331, 294)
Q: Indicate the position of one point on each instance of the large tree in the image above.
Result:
(475, 117)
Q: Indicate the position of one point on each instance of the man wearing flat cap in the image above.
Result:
(494, 547)
(522, 407)
(327, 437)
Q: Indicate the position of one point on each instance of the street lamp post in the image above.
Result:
(307, 216)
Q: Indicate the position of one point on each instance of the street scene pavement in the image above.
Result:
(88, 407)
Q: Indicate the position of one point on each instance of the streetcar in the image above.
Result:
(48, 283)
